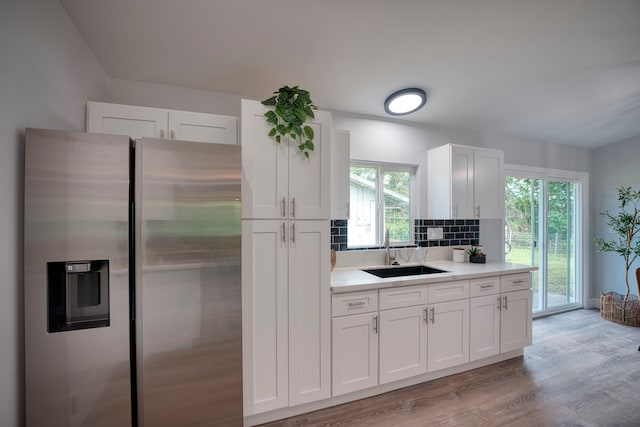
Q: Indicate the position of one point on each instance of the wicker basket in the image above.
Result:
(613, 307)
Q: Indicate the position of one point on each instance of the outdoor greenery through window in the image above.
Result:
(541, 223)
(380, 198)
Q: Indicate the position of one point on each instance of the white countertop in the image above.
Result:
(349, 279)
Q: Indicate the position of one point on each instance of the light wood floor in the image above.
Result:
(580, 371)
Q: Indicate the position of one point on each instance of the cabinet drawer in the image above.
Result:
(354, 303)
(515, 282)
(449, 291)
(404, 296)
(484, 286)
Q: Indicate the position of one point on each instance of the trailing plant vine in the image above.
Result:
(292, 108)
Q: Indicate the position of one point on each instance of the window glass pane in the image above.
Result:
(363, 213)
(396, 205)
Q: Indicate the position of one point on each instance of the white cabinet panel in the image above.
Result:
(309, 312)
(278, 180)
(462, 182)
(449, 291)
(139, 122)
(448, 334)
(136, 122)
(354, 303)
(484, 286)
(203, 127)
(515, 324)
(265, 320)
(403, 343)
(403, 296)
(340, 169)
(465, 182)
(488, 183)
(354, 352)
(484, 331)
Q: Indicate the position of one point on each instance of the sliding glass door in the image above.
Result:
(541, 223)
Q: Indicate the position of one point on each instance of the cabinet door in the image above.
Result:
(264, 302)
(309, 312)
(264, 166)
(462, 176)
(448, 334)
(309, 179)
(515, 322)
(340, 167)
(203, 127)
(488, 183)
(136, 122)
(354, 352)
(484, 329)
(403, 343)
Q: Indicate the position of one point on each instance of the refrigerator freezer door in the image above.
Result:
(76, 209)
(188, 284)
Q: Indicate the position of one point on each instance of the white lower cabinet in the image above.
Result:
(286, 313)
(391, 334)
(484, 334)
(515, 321)
(355, 352)
(448, 335)
(500, 321)
(403, 343)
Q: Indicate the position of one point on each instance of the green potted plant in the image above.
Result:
(625, 224)
(292, 107)
(476, 255)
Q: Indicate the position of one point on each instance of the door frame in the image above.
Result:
(581, 218)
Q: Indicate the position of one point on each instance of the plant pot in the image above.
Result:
(478, 259)
(614, 308)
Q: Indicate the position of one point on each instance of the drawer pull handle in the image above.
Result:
(499, 305)
(504, 302)
(375, 324)
(433, 315)
(517, 282)
(425, 315)
(282, 205)
(486, 286)
(356, 304)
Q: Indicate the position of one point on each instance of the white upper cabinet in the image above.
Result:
(465, 182)
(340, 182)
(141, 122)
(278, 180)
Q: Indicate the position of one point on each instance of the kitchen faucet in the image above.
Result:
(388, 259)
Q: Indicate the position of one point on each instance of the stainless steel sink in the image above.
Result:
(411, 270)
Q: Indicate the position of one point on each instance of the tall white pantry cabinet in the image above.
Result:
(285, 265)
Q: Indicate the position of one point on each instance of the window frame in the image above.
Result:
(381, 168)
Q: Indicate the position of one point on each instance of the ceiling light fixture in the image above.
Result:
(405, 101)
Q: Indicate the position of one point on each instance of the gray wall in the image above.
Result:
(47, 73)
(615, 165)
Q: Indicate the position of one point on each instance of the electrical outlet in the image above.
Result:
(435, 233)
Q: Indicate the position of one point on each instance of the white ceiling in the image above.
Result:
(559, 71)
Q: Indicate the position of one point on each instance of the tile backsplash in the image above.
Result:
(455, 232)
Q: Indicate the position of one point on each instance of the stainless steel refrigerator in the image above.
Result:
(132, 281)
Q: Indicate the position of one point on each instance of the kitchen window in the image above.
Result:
(380, 197)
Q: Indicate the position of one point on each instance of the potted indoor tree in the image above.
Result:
(625, 224)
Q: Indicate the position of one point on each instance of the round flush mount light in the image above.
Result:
(405, 101)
